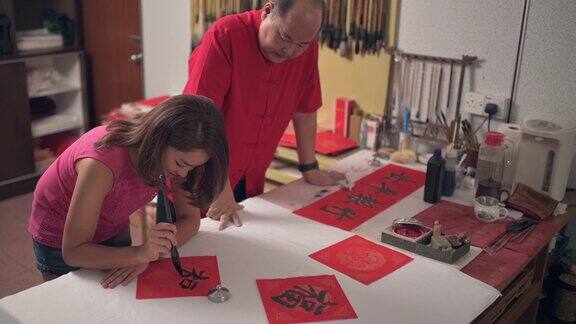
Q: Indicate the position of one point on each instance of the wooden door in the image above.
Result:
(15, 132)
(113, 44)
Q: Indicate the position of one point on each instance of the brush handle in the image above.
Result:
(170, 218)
(176, 259)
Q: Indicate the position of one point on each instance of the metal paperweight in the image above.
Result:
(219, 294)
(375, 163)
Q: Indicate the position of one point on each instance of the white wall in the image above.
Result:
(547, 78)
(491, 29)
(166, 42)
(488, 29)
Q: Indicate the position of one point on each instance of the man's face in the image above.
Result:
(283, 38)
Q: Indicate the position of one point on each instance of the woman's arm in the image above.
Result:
(93, 183)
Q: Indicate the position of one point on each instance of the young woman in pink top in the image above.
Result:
(82, 202)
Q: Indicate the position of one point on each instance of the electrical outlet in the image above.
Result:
(474, 103)
(502, 103)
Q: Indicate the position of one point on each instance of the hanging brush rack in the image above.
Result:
(405, 85)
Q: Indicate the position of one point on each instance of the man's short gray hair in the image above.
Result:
(283, 6)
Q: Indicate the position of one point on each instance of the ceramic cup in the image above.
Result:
(488, 209)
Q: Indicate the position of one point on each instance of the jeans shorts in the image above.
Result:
(49, 260)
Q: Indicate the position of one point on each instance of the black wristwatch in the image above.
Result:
(308, 167)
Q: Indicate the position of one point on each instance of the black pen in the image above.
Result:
(170, 218)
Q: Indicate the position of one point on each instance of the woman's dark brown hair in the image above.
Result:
(185, 123)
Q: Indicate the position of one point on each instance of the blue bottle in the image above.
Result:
(449, 181)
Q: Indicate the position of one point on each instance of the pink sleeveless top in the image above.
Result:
(54, 192)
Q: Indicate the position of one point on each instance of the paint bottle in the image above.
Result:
(363, 133)
(434, 177)
(449, 181)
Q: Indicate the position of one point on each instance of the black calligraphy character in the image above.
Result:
(363, 200)
(199, 275)
(196, 277)
(289, 298)
(385, 189)
(341, 212)
(394, 177)
(188, 284)
(308, 299)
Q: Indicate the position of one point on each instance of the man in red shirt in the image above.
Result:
(261, 69)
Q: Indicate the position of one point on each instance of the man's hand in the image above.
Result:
(225, 208)
(323, 178)
(122, 276)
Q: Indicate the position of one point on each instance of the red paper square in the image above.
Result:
(361, 259)
(347, 209)
(456, 218)
(160, 280)
(304, 299)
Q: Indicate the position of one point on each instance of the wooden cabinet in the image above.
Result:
(18, 132)
(15, 130)
(56, 75)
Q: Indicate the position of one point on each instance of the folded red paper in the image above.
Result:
(160, 280)
(361, 259)
(304, 299)
(343, 108)
(326, 142)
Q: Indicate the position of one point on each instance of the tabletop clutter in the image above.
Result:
(444, 231)
(518, 167)
(496, 186)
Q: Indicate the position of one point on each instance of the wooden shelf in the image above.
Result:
(55, 124)
(19, 172)
(33, 53)
(279, 176)
(63, 88)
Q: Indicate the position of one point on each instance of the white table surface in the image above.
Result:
(272, 243)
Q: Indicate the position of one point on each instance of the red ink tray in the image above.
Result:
(400, 236)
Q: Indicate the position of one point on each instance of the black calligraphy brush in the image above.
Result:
(170, 218)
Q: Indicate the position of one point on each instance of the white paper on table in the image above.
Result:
(272, 243)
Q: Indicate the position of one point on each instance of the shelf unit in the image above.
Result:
(69, 95)
(59, 89)
(284, 168)
(20, 131)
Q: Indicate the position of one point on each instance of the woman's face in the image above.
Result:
(179, 163)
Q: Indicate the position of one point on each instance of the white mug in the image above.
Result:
(488, 209)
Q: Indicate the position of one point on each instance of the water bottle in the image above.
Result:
(490, 158)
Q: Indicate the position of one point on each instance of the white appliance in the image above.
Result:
(545, 152)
